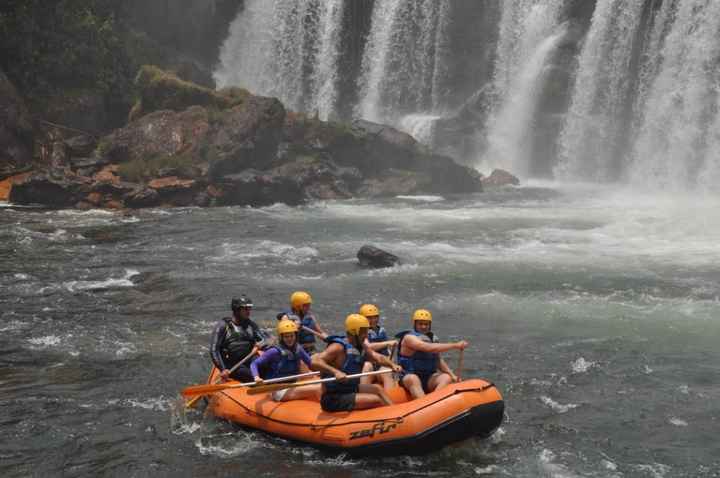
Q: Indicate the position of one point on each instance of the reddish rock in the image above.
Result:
(7, 183)
(94, 198)
(107, 174)
(114, 204)
(171, 183)
(500, 177)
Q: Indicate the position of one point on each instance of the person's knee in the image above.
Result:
(411, 380)
(367, 367)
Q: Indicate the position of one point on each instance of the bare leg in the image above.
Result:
(367, 400)
(364, 388)
(412, 384)
(309, 392)
(438, 381)
(387, 379)
(367, 367)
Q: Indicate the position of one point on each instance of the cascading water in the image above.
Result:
(404, 60)
(530, 31)
(287, 49)
(678, 145)
(594, 123)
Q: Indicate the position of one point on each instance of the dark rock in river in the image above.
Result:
(371, 256)
(500, 177)
(48, 190)
(16, 131)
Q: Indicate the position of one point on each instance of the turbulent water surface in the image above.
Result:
(595, 312)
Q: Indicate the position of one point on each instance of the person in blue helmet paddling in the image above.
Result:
(283, 360)
(424, 370)
(379, 342)
(346, 356)
(234, 338)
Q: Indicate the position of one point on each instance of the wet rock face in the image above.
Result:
(49, 190)
(16, 134)
(500, 177)
(371, 256)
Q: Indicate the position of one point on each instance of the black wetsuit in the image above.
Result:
(231, 342)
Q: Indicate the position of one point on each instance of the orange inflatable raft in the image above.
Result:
(472, 408)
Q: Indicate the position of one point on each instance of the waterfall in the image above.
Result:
(288, 49)
(595, 120)
(678, 145)
(530, 31)
(403, 62)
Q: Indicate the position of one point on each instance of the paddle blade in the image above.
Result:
(199, 390)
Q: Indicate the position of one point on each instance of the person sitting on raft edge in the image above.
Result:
(283, 360)
(300, 303)
(424, 370)
(377, 336)
(234, 338)
(346, 356)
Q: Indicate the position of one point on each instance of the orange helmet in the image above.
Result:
(355, 322)
(421, 314)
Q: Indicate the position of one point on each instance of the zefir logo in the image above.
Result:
(379, 428)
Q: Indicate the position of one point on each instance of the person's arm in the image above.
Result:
(216, 342)
(379, 358)
(321, 361)
(269, 357)
(316, 326)
(305, 357)
(415, 343)
(378, 346)
(445, 368)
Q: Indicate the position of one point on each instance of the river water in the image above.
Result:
(596, 312)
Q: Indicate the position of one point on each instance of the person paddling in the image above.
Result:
(300, 303)
(377, 336)
(283, 360)
(419, 355)
(346, 356)
(234, 338)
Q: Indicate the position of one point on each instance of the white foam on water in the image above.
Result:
(422, 198)
(608, 465)
(546, 460)
(265, 249)
(13, 325)
(581, 365)
(47, 341)
(187, 428)
(159, 404)
(487, 470)
(21, 276)
(557, 407)
(684, 389)
(656, 470)
(74, 286)
(227, 445)
(678, 422)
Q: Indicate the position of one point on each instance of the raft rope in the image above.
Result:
(398, 419)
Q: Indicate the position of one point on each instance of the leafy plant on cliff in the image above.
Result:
(47, 46)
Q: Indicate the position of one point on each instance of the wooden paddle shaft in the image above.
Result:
(460, 365)
(192, 402)
(281, 386)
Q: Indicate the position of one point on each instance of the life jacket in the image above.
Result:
(289, 363)
(379, 335)
(239, 341)
(353, 364)
(304, 337)
(421, 363)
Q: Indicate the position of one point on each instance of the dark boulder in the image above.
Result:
(371, 256)
(247, 136)
(49, 190)
(16, 131)
(81, 146)
(254, 188)
(142, 197)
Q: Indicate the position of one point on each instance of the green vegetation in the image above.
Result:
(48, 46)
(139, 170)
(163, 90)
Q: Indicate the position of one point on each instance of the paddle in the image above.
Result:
(200, 390)
(281, 386)
(460, 365)
(192, 402)
(314, 332)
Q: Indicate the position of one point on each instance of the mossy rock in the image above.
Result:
(163, 90)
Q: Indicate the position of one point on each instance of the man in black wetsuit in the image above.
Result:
(233, 339)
